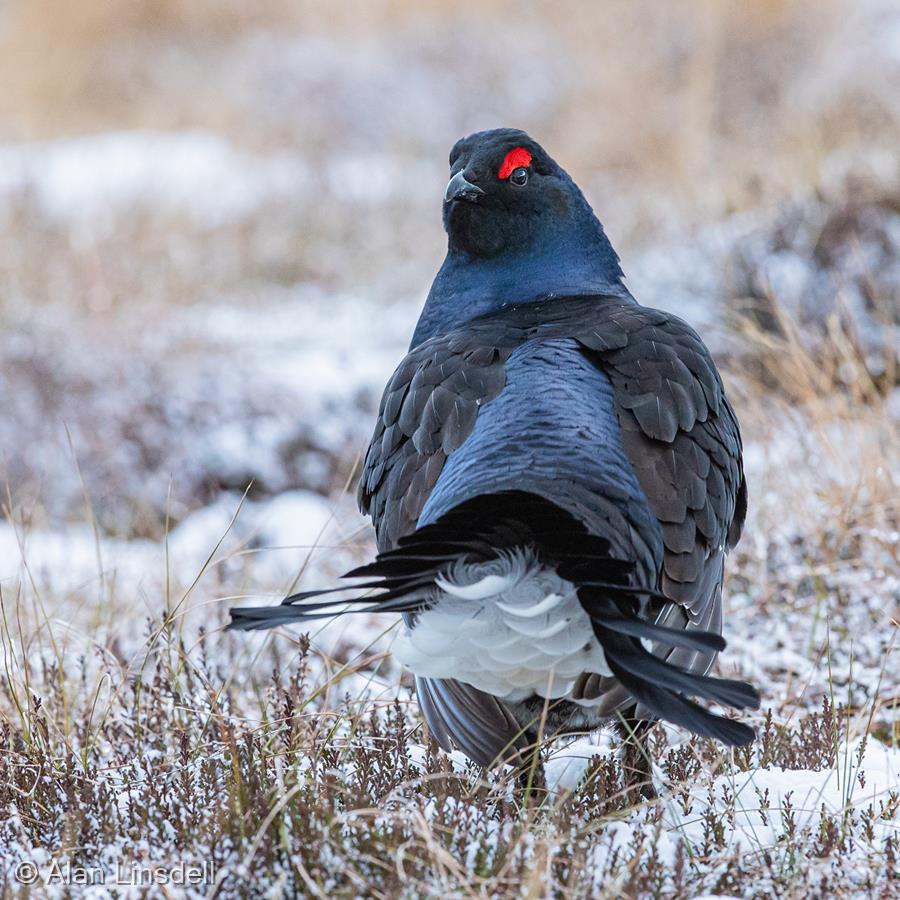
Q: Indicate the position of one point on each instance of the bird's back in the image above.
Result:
(553, 431)
(610, 411)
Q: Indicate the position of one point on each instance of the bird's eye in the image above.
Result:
(519, 177)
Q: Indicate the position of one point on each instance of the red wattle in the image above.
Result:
(515, 158)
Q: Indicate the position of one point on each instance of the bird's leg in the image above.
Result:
(635, 760)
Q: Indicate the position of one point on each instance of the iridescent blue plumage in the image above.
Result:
(550, 457)
(555, 248)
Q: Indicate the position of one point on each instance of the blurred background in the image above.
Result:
(218, 219)
(218, 222)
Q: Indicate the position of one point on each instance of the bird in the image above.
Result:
(554, 479)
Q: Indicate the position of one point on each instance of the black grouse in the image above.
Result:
(555, 479)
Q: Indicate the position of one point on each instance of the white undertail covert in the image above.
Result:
(510, 627)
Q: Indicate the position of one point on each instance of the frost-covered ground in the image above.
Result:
(136, 730)
(196, 320)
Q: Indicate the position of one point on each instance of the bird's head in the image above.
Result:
(504, 190)
(506, 195)
(518, 229)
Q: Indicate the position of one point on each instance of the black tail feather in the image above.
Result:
(702, 641)
(639, 663)
(321, 592)
(258, 618)
(479, 530)
(679, 710)
(662, 687)
(406, 596)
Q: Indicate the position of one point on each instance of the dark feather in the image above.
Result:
(680, 457)
(678, 710)
(630, 656)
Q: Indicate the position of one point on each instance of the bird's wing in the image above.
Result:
(431, 402)
(479, 724)
(427, 411)
(683, 440)
(678, 429)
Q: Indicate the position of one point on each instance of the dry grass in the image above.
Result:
(168, 758)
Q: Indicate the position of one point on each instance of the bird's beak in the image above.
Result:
(460, 189)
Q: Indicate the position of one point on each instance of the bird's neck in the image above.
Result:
(561, 265)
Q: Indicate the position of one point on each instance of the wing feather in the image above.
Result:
(683, 440)
(678, 431)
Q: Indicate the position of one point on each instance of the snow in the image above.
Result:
(763, 809)
(565, 767)
(759, 803)
(267, 544)
(275, 392)
(191, 173)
